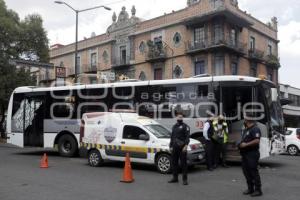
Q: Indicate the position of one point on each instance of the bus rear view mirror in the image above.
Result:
(274, 94)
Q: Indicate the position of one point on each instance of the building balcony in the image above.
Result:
(90, 68)
(224, 43)
(156, 54)
(121, 62)
(272, 61)
(256, 55)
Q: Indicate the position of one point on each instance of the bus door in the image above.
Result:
(232, 98)
(34, 114)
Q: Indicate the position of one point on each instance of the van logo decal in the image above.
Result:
(110, 134)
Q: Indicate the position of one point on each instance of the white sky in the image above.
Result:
(59, 22)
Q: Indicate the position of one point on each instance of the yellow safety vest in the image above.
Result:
(224, 131)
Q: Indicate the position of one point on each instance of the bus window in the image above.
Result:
(186, 99)
(92, 100)
(202, 91)
(61, 107)
(123, 93)
(233, 100)
(122, 98)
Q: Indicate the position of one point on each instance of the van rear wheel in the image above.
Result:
(163, 163)
(94, 158)
(67, 146)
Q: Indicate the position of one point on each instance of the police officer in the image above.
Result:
(180, 139)
(208, 131)
(249, 149)
(220, 137)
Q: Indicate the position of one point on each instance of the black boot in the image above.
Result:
(185, 182)
(257, 193)
(173, 180)
(247, 192)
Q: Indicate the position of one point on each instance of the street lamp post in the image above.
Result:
(77, 67)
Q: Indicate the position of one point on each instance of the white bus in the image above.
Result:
(50, 117)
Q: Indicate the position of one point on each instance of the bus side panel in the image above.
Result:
(49, 139)
(9, 115)
(15, 135)
(53, 127)
(16, 139)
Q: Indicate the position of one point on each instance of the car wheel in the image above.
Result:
(94, 158)
(67, 146)
(163, 163)
(292, 150)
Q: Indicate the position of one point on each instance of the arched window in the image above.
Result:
(105, 56)
(178, 72)
(177, 38)
(142, 76)
(142, 47)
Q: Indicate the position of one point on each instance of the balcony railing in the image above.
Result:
(90, 68)
(226, 42)
(272, 61)
(256, 54)
(121, 61)
(156, 54)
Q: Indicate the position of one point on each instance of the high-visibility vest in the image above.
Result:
(224, 133)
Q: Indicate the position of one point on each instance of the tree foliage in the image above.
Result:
(19, 39)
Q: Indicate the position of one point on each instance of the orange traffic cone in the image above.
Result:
(44, 161)
(127, 174)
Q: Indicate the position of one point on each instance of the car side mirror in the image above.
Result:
(144, 137)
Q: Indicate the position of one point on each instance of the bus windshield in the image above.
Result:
(276, 116)
(159, 131)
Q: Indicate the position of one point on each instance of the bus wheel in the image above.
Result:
(163, 163)
(292, 150)
(94, 158)
(67, 146)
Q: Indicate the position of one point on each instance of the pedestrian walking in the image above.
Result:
(180, 139)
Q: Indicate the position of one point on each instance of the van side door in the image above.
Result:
(135, 140)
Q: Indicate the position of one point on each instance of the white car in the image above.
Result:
(292, 139)
(110, 135)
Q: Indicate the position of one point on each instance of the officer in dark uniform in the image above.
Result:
(180, 139)
(208, 131)
(249, 149)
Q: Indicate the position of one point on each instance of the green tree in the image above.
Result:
(18, 39)
(34, 39)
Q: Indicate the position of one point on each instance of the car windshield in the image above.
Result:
(159, 131)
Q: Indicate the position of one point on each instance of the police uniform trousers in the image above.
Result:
(210, 154)
(250, 169)
(220, 152)
(177, 155)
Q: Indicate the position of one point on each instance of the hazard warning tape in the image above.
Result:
(121, 148)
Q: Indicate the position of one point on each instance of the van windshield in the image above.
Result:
(159, 131)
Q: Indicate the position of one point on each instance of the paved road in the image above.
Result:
(71, 178)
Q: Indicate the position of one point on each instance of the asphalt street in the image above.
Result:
(72, 179)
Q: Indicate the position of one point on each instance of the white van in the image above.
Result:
(110, 135)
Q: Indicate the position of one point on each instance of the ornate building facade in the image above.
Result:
(207, 37)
